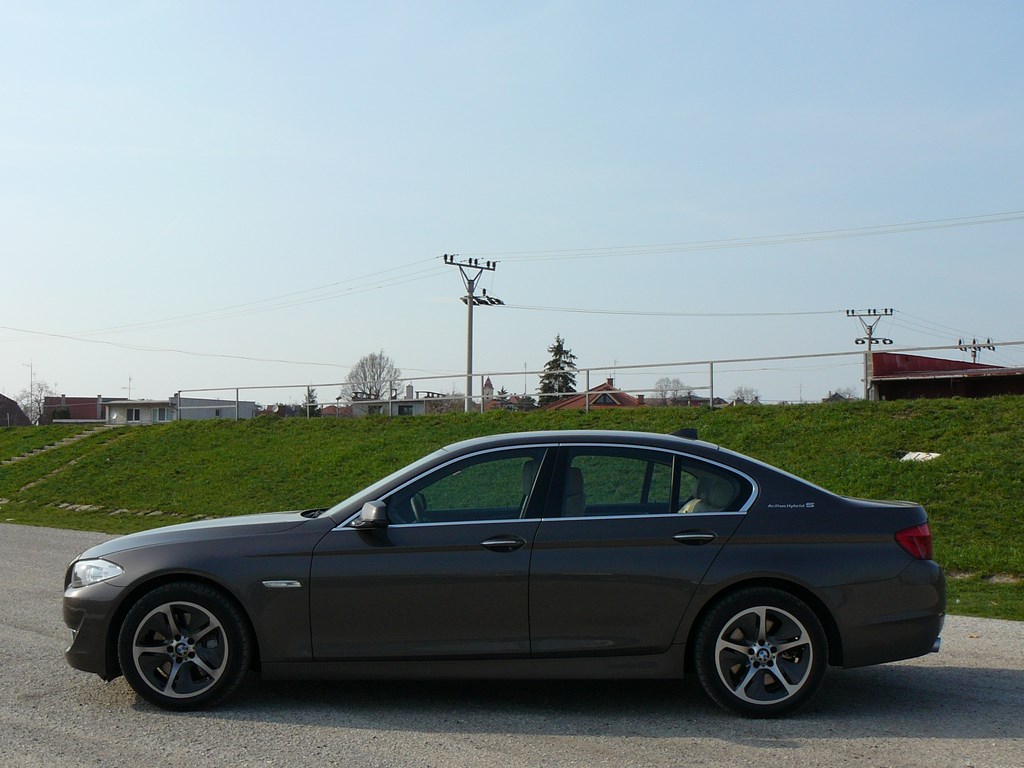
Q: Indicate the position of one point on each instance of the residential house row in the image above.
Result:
(893, 376)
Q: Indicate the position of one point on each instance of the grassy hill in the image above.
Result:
(127, 479)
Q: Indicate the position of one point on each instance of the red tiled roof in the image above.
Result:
(605, 395)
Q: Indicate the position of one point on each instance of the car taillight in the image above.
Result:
(917, 541)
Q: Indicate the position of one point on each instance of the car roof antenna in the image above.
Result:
(688, 434)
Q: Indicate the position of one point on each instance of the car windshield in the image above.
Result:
(375, 490)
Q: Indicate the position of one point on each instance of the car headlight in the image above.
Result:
(86, 572)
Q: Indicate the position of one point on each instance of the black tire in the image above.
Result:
(761, 652)
(184, 646)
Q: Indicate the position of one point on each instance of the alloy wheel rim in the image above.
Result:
(180, 650)
(764, 655)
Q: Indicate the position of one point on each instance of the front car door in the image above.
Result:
(628, 535)
(448, 577)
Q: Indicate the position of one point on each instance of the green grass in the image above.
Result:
(17, 441)
(987, 597)
(144, 477)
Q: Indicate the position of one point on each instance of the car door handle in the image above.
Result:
(503, 543)
(695, 538)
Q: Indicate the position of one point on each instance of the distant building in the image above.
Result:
(11, 414)
(139, 412)
(76, 410)
(410, 405)
(125, 411)
(502, 401)
(897, 376)
(605, 395)
(696, 401)
(740, 401)
(203, 408)
(142, 412)
(836, 397)
(336, 411)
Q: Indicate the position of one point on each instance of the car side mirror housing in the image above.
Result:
(372, 516)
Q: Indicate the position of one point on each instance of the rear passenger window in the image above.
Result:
(603, 481)
(708, 488)
(609, 481)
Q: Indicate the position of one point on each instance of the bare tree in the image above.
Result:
(31, 400)
(374, 377)
(670, 391)
(745, 395)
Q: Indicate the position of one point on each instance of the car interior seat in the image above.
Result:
(575, 504)
(713, 494)
(530, 469)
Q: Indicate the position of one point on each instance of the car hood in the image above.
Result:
(220, 528)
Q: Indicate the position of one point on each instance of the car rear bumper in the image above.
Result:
(913, 627)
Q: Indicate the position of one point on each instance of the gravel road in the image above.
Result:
(961, 707)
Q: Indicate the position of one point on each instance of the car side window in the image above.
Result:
(709, 488)
(602, 481)
(489, 486)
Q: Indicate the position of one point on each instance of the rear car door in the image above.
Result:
(626, 539)
(448, 577)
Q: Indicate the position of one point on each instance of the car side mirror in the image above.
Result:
(372, 516)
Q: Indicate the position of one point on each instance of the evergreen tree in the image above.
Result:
(559, 377)
(310, 405)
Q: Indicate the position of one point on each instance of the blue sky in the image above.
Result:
(198, 194)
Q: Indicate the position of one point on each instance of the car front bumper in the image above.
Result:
(88, 613)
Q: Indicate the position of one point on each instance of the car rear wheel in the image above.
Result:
(761, 652)
(184, 646)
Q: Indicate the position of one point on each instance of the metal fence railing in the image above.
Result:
(411, 395)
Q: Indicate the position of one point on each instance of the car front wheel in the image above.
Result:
(761, 652)
(184, 646)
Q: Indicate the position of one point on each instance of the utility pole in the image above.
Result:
(975, 348)
(870, 339)
(471, 271)
(35, 412)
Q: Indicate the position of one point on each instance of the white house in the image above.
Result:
(410, 405)
(139, 412)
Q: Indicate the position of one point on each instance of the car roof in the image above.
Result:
(553, 437)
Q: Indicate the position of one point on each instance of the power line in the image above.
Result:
(292, 299)
(282, 301)
(941, 331)
(139, 348)
(762, 240)
(190, 353)
(975, 347)
(647, 313)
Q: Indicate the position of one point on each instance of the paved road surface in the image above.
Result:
(962, 707)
